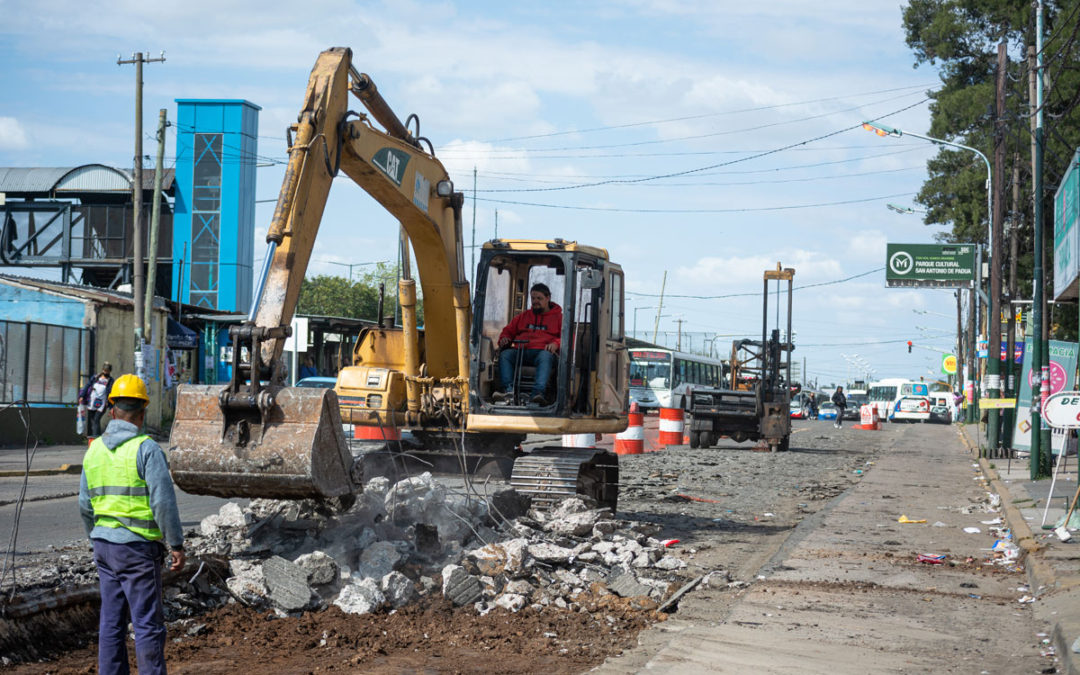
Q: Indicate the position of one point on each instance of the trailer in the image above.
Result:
(756, 404)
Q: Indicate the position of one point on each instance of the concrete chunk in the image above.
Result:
(550, 553)
(287, 583)
(378, 560)
(319, 567)
(508, 557)
(511, 601)
(626, 585)
(398, 589)
(360, 597)
(460, 587)
(577, 524)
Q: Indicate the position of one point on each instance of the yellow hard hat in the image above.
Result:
(129, 386)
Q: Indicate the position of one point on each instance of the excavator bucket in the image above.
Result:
(292, 448)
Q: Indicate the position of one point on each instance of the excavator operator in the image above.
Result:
(535, 332)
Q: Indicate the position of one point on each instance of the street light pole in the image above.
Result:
(993, 365)
(635, 317)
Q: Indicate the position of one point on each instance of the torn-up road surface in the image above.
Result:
(848, 592)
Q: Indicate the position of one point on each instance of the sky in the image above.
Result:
(705, 139)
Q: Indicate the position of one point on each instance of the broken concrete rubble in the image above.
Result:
(398, 542)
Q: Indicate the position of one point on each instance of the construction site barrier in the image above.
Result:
(671, 426)
(868, 418)
(631, 441)
(366, 433)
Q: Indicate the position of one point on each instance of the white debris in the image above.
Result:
(398, 589)
(360, 597)
(511, 601)
(320, 568)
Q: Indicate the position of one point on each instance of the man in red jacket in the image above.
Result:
(539, 328)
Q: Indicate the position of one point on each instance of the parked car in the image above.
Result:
(799, 409)
(826, 411)
(940, 408)
(325, 383)
(854, 403)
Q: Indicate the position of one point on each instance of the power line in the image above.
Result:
(613, 209)
(707, 115)
(756, 293)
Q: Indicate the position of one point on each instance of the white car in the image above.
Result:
(911, 409)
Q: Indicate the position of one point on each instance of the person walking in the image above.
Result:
(128, 507)
(840, 401)
(812, 403)
(95, 395)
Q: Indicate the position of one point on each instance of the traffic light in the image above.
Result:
(909, 346)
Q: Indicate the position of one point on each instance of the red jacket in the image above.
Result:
(539, 329)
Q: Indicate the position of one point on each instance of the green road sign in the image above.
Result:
(933, 265)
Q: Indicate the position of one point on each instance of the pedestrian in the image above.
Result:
(308, 369)
(95, 395)
(813, 407)
(128, 508)
(840, 401)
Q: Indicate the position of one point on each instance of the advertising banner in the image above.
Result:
(1066, 235)
(1062, 369)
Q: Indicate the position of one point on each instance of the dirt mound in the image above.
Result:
(432, 637)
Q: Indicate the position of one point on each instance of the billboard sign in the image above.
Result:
(929, 265)
(1062, 367)
(1066, 235)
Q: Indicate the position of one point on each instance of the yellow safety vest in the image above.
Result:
(120, 498)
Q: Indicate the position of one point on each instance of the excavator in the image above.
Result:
(256, 437)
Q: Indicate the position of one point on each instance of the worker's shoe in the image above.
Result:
(501, 397)
(538, 399)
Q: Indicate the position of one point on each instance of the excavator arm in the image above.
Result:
(255, 437)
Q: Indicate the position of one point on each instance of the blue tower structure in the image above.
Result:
(214, 221)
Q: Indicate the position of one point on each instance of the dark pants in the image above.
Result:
(130, 582)
(541, 358)
(93, 422)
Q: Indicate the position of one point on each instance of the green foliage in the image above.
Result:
(960, 38)
(355, 299)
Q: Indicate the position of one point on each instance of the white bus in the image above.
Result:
(659, 378)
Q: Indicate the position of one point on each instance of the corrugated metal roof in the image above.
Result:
(85, 178)
(91, 293)
(19, 179)
(94, 178)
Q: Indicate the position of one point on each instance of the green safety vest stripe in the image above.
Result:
(120, 490)
(119, 497)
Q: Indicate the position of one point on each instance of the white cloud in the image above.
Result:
(12, 134)
(868, 245)
(717, 272)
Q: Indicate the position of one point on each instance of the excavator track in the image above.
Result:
(551, 474)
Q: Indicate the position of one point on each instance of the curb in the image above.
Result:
(69, 469)
(1040, 574)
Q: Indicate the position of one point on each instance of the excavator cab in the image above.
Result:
(586, 389)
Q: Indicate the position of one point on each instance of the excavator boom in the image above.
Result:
(255, 437)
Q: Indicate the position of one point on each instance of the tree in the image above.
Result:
(327, 295)
(960, 37)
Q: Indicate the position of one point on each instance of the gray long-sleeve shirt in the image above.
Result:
(153, 467)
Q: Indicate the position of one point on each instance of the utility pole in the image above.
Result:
(138, 58)
(472, 269)
(496, 223)
(1035, 81)
(960, 365)
(993, 354)
(659, 308)
(678, 339)
(155, 219)
(972, 373)
(1009, 416)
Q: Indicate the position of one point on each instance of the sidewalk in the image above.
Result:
(47, 460)
(1053, 566)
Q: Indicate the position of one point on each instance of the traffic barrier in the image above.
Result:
(579, 440)
(368, 433)
(671, 426)
(868, 418)
(631, 441)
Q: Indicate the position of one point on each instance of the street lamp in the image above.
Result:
(993, 365)
(903, 209)
(352, 265)
(635, 317)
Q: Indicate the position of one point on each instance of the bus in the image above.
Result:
(659, 378)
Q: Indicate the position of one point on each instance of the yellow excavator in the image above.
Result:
(255, 437)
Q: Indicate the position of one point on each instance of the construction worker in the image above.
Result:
(129, 510)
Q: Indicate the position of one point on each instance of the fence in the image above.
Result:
(42, 363)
